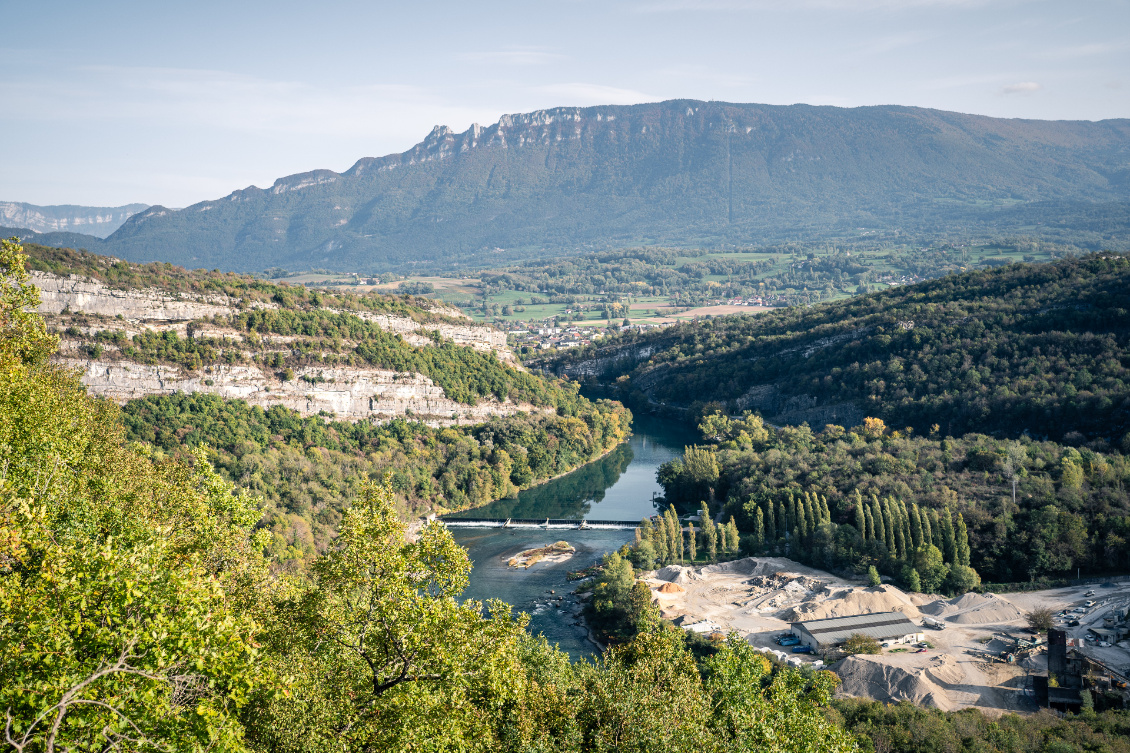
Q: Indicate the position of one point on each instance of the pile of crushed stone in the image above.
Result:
(835, 601)
(887, 682)
(671, 588)
(974, 609)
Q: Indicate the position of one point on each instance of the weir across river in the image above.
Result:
(548, 523)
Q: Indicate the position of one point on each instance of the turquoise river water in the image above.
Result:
(619, 486)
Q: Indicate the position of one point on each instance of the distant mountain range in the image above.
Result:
(66, 218)
(677, 173)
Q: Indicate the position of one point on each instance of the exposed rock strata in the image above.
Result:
(348, 393)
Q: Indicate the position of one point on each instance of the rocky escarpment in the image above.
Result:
(79, 307)
(59, 295)
(347, 393)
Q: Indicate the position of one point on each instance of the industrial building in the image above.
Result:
(884, 627)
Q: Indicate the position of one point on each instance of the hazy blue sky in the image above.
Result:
(106, 103)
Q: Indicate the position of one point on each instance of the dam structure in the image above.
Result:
(547, 523)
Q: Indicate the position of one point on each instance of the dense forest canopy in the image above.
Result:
(849, 499)
(306, 469)
(1037, 349)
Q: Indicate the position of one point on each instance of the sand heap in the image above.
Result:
(750, 566)
(883, 679)
(835, 601)
(671, 588)
(974, 609)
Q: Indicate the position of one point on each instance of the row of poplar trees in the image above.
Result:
(662, 540)
(924, 547)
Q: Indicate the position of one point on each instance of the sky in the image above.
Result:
(110, 103)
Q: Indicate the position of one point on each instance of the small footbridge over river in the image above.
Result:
(548, 523)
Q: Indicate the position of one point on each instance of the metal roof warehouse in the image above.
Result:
(883, 626)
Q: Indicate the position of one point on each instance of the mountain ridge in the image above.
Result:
(681, 172)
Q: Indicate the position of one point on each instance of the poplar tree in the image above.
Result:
(692, 545)
(860, 521)
(961, 542)
(936, 528)
(888, 526)
(950, 550)
(869, 535)
(927, 529)
(802, 519)
(877, 520)
(711, 532)
(759, 531)
(770, 523)
(825, 511)
(782, 521)
(659, 541)
(735, 540)
(915, 525)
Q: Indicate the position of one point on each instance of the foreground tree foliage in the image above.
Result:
(138, 612)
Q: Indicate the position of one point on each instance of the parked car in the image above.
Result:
(1073, 623)
(1104, 644)
(921, 650)
(789, 641)
(802, 650)
(1088, 604)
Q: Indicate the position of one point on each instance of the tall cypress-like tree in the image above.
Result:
(732, 535)
(869, 523)
(915, 525)
(961, 542)
(877, 519)
(950, 550)
(782, 521)
(770, 523)
(860, 520)
(927, 529)
(659, 541)
(759, 530)
(889, 527)
(825, 511)
(936, 530)
(692, 545)
(802, 517)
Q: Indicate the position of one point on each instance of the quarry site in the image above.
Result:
(981, 653)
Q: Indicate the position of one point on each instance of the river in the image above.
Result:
(619, 486)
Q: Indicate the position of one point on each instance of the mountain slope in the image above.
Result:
(678, 172)
(1026, 348)
(67, 218)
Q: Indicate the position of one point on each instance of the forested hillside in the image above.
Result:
(307, 470)
(1026, 349)
(140, 612)
(851, 498)
(683, 172)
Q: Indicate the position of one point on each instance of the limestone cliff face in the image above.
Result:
(348, 393)
(58, 294)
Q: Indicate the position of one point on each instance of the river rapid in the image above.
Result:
(619, 486)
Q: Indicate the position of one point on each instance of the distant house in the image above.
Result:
(882, 626)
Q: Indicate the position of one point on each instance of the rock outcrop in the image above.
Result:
(348, 393)
(351, 393)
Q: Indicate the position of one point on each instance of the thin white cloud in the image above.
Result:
(1022, 87)
(520, 56)
(233, 102)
